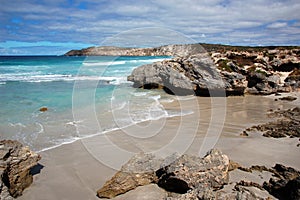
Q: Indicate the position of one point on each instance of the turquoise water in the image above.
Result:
(84, 96)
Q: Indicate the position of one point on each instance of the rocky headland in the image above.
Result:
(223, 73)
(16, 168)
(212, 70)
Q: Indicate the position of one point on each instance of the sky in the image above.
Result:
(52, 27)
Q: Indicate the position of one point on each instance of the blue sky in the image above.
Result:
(56, 26)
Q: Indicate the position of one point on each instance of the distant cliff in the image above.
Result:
(167, 50)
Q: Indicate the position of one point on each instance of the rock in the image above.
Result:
(233, 165)
(147, 192)
(288, 98)
(16, 162)
(247, 193)
(293, 79)
(43, 109)
(177, 174)
(235, 83)
(199, 193)
(185, 76)
(244, 134)
(286, 184)
(287, 124)
(191, 172)
(138, 171)
(162, 75)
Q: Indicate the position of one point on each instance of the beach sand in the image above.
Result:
(77, 170)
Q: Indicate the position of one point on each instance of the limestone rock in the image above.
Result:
(191, 172)
(192, 75)
(178, 174)
(138, 171)
(16, 161)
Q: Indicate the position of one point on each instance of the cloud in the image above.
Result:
(277, 25)
(221, 21)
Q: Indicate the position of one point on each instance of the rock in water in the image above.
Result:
(16, 161)
(43, 109)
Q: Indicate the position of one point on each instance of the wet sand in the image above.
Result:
(78, 170)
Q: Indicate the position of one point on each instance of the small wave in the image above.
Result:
(139, 94)
(156, 97)
(185, 98)
(147, 60)
(104, 63)
(41, 128)
(166, 100)
(62, 77)
(120, 106)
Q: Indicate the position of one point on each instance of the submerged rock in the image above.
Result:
(43, 109)
(16, 162)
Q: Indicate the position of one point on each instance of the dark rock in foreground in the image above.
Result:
(285, 184)
(16, 162)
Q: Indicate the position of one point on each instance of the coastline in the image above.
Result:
(76, 170)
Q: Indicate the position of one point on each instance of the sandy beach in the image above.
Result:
(78, 170)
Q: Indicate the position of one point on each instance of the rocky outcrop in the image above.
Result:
(230, 73)
(192, 75)
(267, 71)
(189, 177)
(235, 70)
(183, 174)
(16, 161)
(286, 125)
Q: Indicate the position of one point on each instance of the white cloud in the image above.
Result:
(220, 21)
(277, 25)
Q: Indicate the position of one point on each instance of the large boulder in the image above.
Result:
(192, 172)
(195, 74)
(16, 162)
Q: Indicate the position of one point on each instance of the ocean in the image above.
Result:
(84, 96)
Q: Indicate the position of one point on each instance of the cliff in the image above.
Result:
(168, 50)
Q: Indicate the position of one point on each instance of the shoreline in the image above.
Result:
(77, 170)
